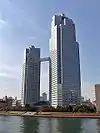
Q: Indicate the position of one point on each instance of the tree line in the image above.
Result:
(75, 108)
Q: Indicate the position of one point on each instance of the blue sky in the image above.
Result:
(25, 22)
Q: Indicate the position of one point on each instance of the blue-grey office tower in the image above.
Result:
(64, 68)
(31, 76)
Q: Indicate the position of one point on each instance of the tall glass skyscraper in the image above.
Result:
(31, 76)
(64, 68)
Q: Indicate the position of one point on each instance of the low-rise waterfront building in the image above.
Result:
(97, 96)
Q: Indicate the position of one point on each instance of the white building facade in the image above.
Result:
(64, 68)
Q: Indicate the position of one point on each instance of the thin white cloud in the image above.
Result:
(6, 75)
(10, 71)
(4, 67)
(32, 38)
(2, 21)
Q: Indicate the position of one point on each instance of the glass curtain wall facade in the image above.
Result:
(31, 76)
(64, 68)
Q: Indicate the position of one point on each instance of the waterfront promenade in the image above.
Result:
(52, 114)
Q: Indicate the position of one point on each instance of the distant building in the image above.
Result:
(9, 101)
(16, 103)
(2, 104)
(5, 98)
(82, 99)
(42, 104)
(64, 68)
(44, 96)
(97, 96)
(87, 102)
(31, 76)
(6, 101)
(15, 98)
(41, 98)
(94, 103)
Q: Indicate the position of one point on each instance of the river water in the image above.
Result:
(16, 124)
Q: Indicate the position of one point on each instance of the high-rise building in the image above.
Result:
(64, 69)
(31, 76)
(97, 96)
(44, 96)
